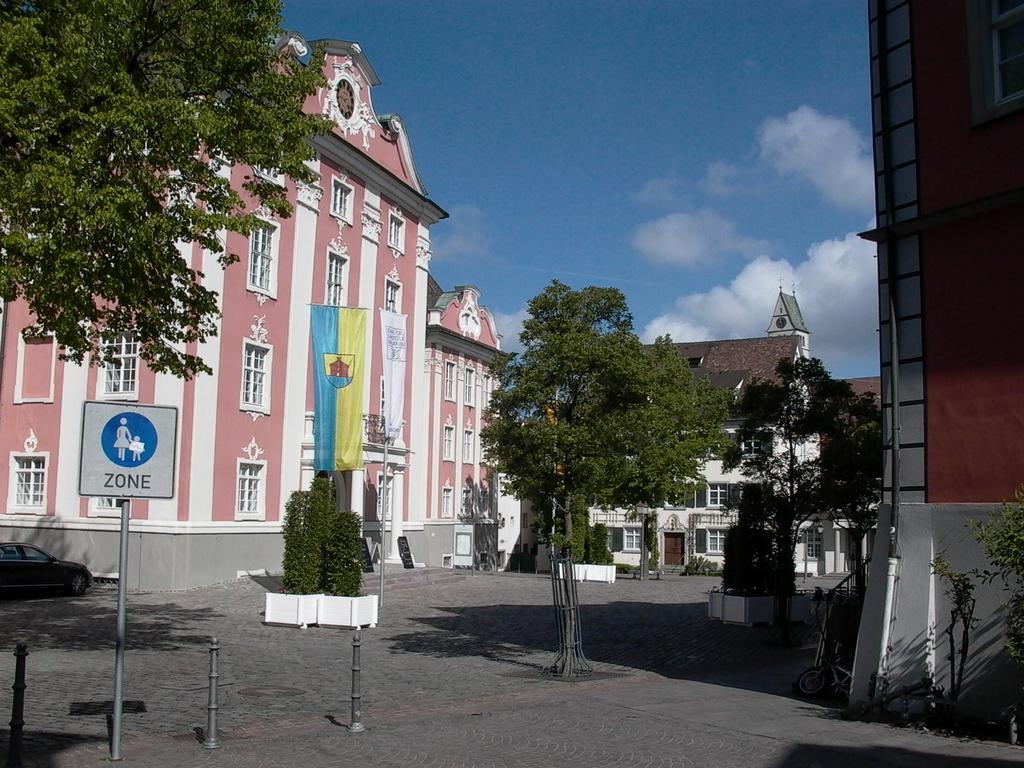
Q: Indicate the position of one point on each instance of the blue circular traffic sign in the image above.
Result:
(129, 439)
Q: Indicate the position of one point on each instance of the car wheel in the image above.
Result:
(811, 682)
(77, 584)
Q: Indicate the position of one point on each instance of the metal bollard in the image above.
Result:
(211, 741)
(17, 708)
(357, 711)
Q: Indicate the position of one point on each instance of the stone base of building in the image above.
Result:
(918, 642)
(157, 559)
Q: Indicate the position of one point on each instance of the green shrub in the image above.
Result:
(322, 551)
(701, 566)
(622, 569)
(1003, 542)
(599, 552)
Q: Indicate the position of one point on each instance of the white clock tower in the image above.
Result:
(787, 320)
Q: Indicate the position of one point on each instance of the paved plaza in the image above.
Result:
(451, 677)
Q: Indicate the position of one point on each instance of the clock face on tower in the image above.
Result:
(780, 322)
(346, 99)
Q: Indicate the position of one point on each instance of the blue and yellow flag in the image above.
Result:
(339, 349)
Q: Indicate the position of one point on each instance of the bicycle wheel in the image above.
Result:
(812, 682)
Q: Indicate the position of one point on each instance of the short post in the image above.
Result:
(211, 741)
(357, 706)
(18, 707)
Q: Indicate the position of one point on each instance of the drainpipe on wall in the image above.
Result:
(892, 273)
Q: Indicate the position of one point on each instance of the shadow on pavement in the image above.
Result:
(87, 624)
(675, 640)
(814, 756)
(42, 748)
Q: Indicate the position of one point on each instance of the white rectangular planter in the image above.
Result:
(349, 612)
(715, 605)
(760, 610)
(747, 610)
(602, 573)
(291, 610)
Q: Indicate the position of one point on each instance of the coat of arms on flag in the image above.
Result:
(338, 369)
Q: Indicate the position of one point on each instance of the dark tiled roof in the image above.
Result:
(795, 316)
(866, 385)
(730, 362)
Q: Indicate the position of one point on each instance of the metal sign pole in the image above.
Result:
(122, 621)
(383, 515)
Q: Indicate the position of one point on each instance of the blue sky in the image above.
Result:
(692, 154)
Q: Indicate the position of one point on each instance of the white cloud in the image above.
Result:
(465, 233)
(836, 289)
(662, 192)
(689, 239)
(509, 325)
(717, 179)
(825, 151)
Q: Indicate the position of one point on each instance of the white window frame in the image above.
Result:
(260, 512)
(19, 371)
(814, 541)
(14, 506)
(124, 354)
(718, 536)
(719, 492)
(396, 232)
(631, 533)
(271, 254)
(447, 504)
(449, 381)
(336, 281)
(448, 443)
(391, 498)
(983, 24)
(466, 502)
(469, 387)
(467, 446)
(396, 304)
(343, 211)
(268, 358)
(268, 175)
(107, 506)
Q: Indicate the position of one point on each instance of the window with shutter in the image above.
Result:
(702, 496)
(701, 541)
(617, 539)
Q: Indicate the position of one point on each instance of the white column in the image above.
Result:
(297, 359)
(396, 492)
(358, 493)
(419, 426)
(72, 395)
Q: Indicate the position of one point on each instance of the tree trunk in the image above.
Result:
(784, 582)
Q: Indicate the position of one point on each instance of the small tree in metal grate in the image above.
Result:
(570, 661)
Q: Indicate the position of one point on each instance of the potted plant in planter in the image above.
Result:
(322, 565)
(748, 572)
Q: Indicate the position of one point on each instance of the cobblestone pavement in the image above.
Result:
(450, 678)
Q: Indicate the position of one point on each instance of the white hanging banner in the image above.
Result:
(393, 346)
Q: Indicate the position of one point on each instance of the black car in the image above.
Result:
(23, 566)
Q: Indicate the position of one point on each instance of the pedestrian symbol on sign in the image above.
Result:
(129, 439)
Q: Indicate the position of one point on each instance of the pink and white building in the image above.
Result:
(358, 237)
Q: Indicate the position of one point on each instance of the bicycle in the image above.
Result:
(830, 675)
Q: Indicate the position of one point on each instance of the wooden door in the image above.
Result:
(674, 548)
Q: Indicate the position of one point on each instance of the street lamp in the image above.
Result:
(376, 429)
(641, 511)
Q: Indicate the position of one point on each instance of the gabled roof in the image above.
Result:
(793, 310)
(866, 385)
(732, 362)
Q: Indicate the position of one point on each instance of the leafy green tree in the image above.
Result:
(116, 117)
(851, 476)
(586, 411)
(599, 552)
(788, 418)
(1003, 541)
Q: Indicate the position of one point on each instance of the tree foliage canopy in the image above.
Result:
(586, 410)
(115, 118)
(802, 424)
